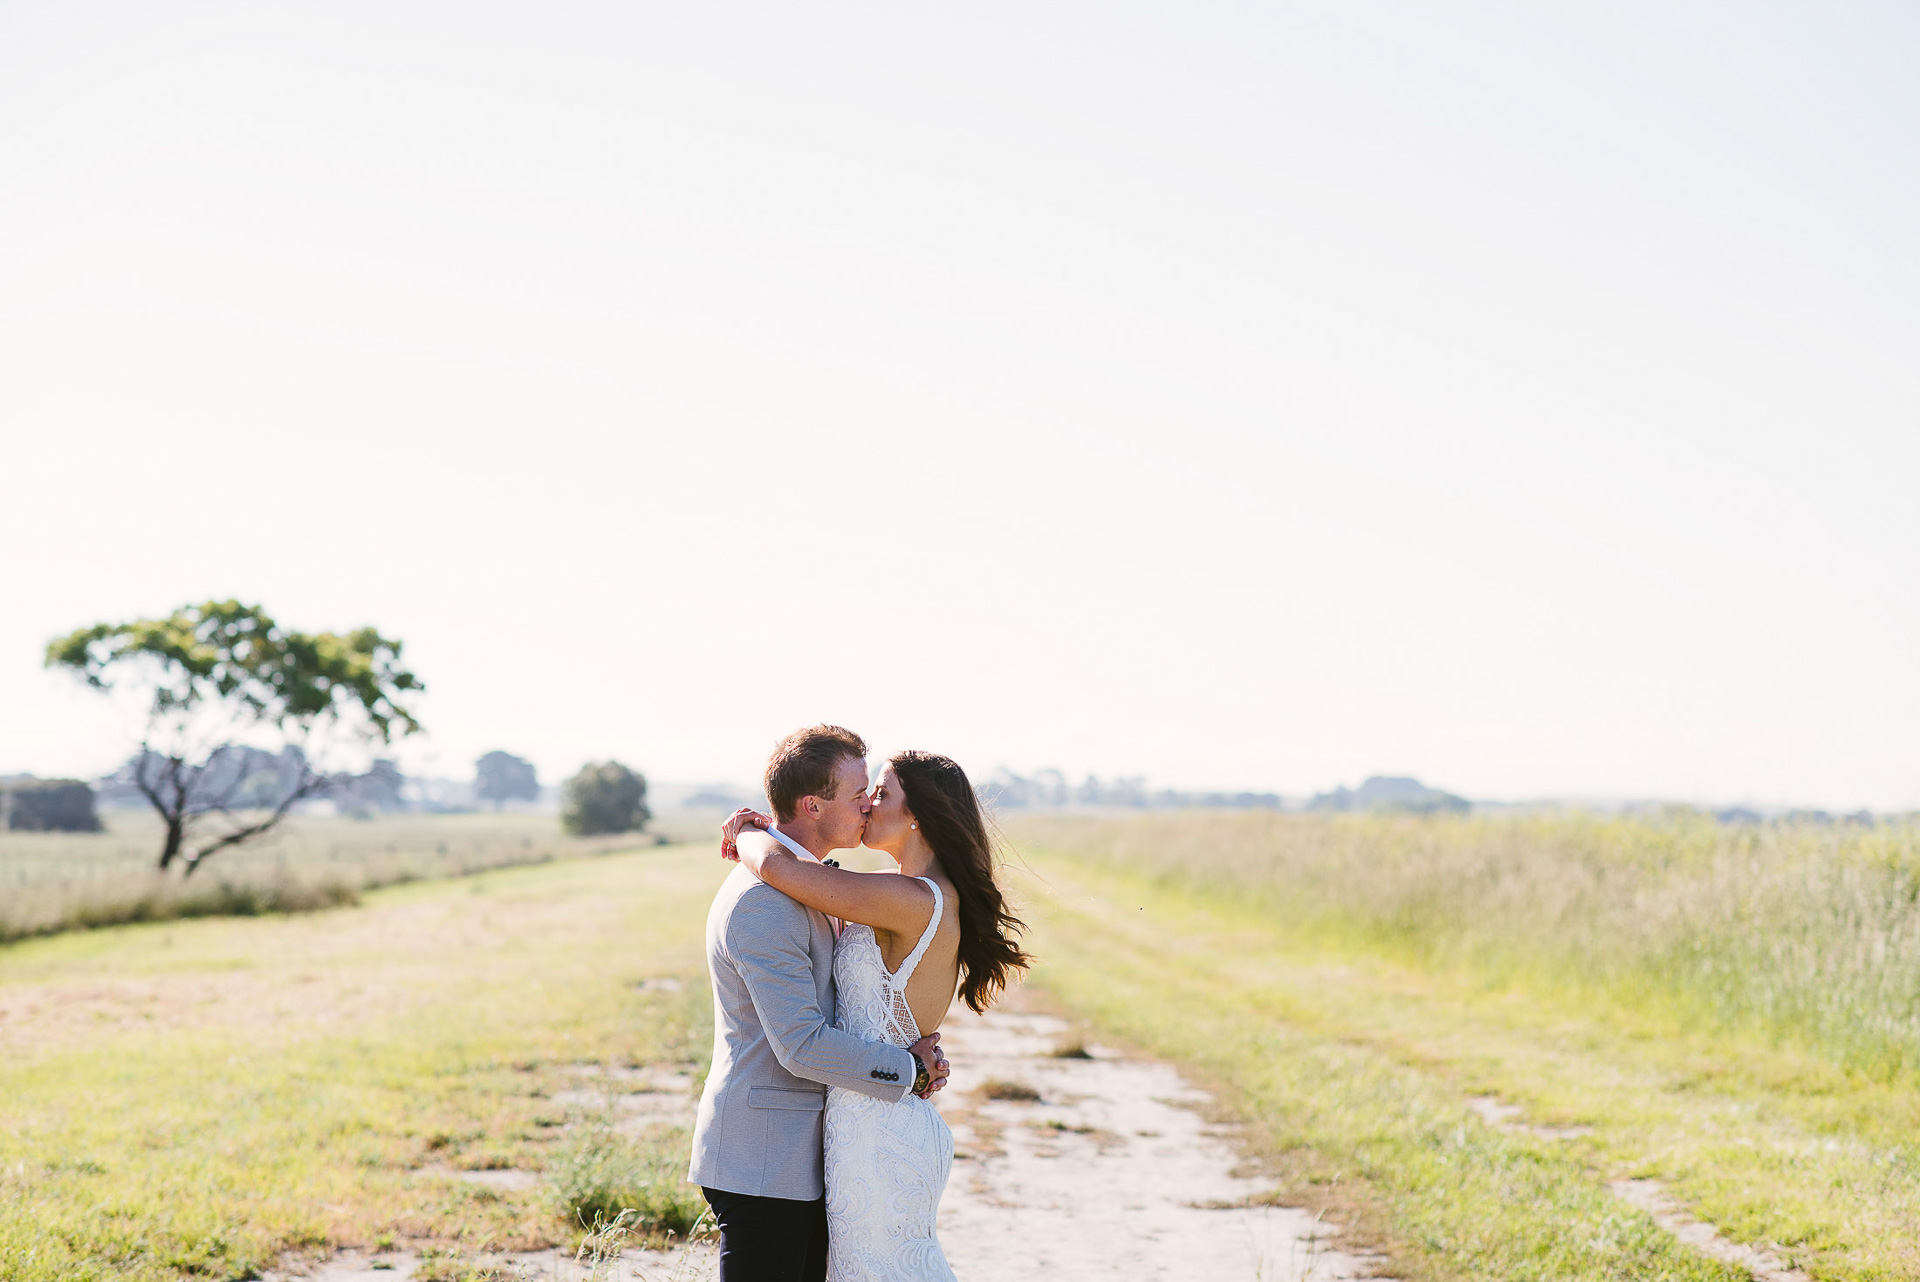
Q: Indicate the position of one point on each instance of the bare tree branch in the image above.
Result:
(310, 782)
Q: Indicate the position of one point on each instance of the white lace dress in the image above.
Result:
(886, 1163)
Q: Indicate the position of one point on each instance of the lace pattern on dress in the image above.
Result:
(886, 1163)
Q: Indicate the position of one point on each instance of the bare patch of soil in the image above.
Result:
(699, 1263)
(1651, 1197)
(1111, 1172)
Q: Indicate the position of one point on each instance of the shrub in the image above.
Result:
(51, 805)
(605, 797)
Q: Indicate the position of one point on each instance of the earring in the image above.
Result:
(914, 824)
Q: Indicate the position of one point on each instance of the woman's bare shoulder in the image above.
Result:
(949, 896)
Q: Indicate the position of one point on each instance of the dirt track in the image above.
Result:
(1110, 1172)
(1113, 1172)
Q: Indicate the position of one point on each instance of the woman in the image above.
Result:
(934, 923)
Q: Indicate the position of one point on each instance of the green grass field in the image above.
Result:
(59, 881)
(193, 1098)
(190, 1099)
(1730, 1011)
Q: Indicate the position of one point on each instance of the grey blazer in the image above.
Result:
(775, 1049)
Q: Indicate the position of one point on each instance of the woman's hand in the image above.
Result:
(745, 817)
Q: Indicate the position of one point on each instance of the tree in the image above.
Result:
(379, 789)
(501, 777)
(605, 797)
(216, 673)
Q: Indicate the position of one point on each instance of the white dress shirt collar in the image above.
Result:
(793, 845)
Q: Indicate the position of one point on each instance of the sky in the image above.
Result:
(1522, 397)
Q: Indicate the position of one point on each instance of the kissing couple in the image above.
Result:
(817, 1144)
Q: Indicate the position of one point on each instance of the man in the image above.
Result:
(757, 1141)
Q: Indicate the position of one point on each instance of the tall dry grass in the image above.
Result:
(1799, 933)
(51, 882)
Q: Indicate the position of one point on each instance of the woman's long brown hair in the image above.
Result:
(942, 801)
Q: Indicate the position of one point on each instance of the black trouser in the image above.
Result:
(770, 1239)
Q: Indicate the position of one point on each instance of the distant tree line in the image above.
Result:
(1378, 794)
(1393, 794)
(1815, 818)
(604, 797)
(1049, 790)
